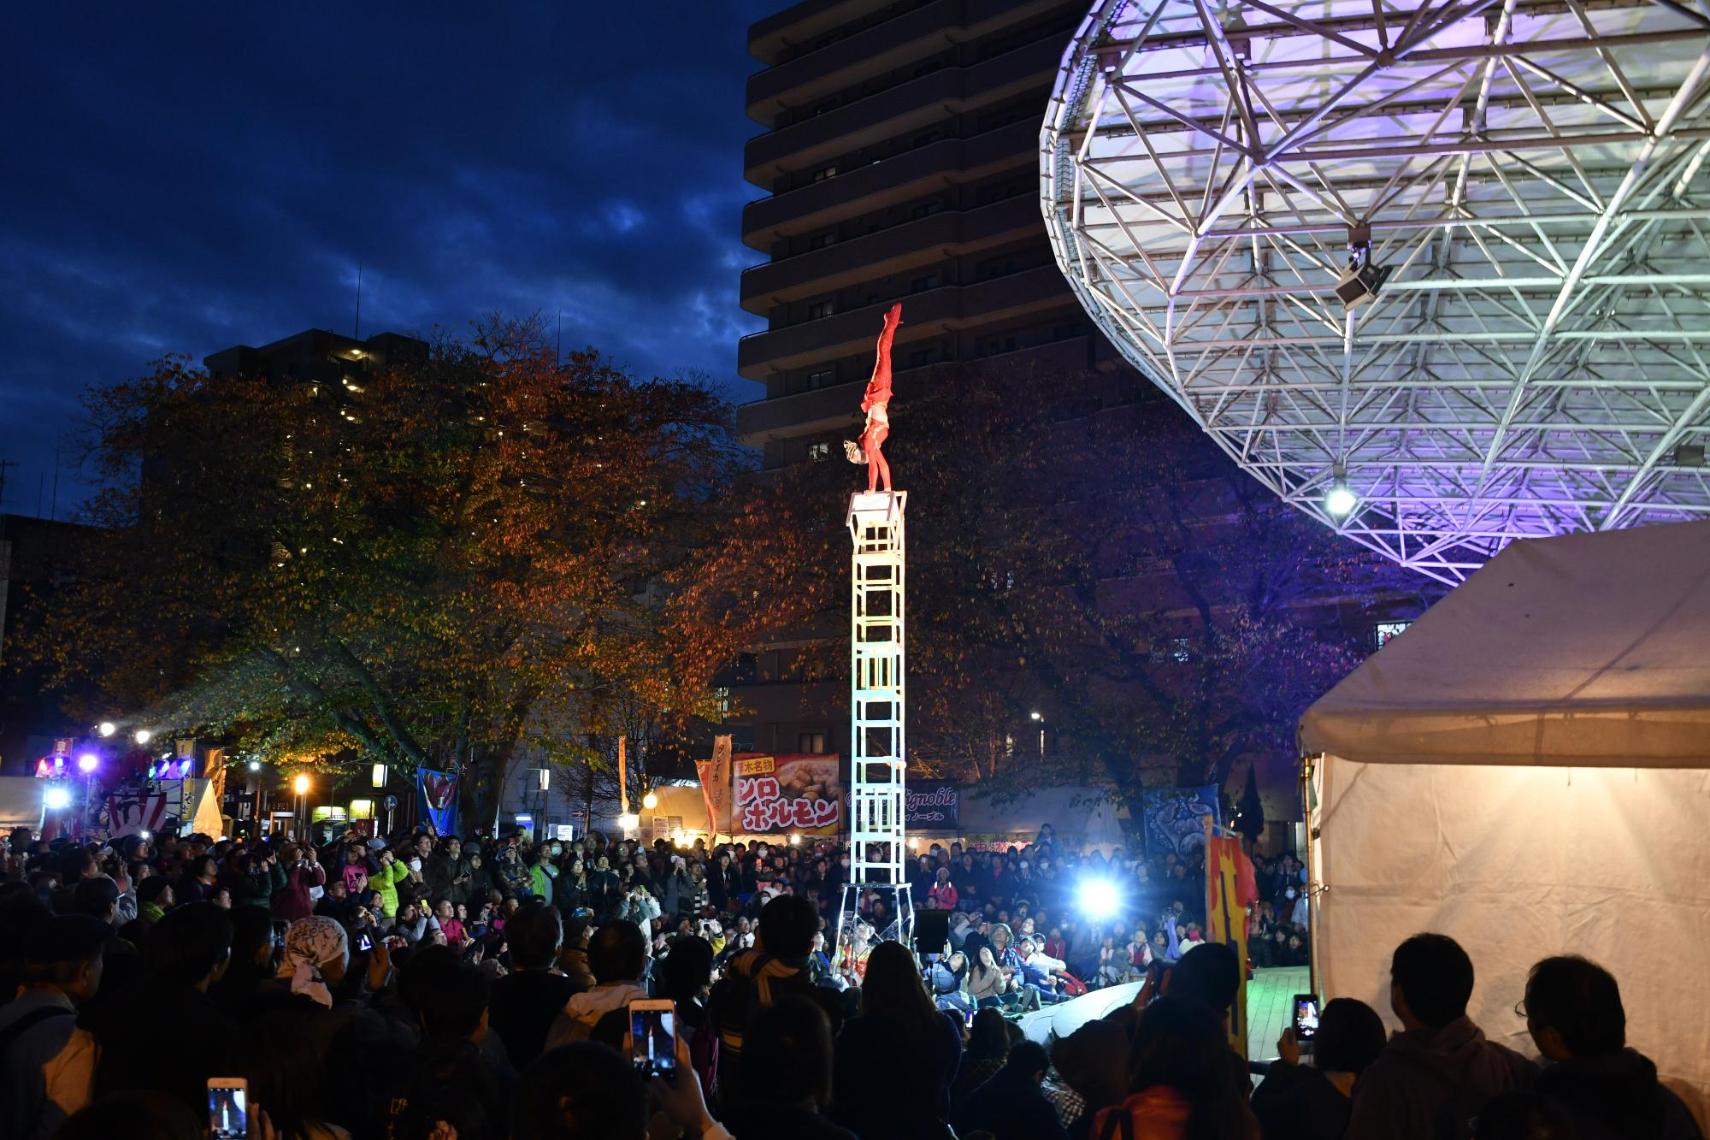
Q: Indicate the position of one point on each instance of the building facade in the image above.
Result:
(899, 160)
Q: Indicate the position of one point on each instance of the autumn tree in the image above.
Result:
(441, 563)
(1077, 548)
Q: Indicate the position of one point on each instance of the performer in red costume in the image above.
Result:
(875, 402)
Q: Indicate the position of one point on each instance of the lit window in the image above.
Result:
(825, 172)
(820, 378)
(819, 452)
(818, 309)
(810, 742)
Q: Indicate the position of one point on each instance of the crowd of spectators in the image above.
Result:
(433, 987)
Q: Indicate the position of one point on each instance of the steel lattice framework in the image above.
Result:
(1534, 175)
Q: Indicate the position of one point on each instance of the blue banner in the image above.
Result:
(436, 795)
(1175, 818)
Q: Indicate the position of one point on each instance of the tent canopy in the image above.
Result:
(1587, 650)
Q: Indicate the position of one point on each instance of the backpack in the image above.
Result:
(10, 1034)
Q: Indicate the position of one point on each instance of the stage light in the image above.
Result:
(56, 797)
(1099, 899)
(106, 728)
(628, 821)
(142, 736)
(1339, 500)
(88, 762)
(301, 785)
(650, 801)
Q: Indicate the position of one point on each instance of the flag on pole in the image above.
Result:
(1230, 888)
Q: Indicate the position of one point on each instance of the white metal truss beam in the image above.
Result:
(1533, 172)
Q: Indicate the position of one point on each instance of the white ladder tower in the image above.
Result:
(877, 714)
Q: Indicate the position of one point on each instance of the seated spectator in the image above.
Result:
(788, 1060)
(1575, 1016)
(45, 1061)
(1435, 1075)
(1180, 1084)
(948, 976)
(1009, 1104)
(984, 1055)
(617, 954)
(901, 1044)
(1298, 1103)
(526, 1000)
(987, 985)
(1093, 1063)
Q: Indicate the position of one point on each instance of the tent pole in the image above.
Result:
(1312, 888)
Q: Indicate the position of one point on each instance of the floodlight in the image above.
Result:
(1339, 501)
(650, 801)
(628, 821)
(106, 728)
(1035, 716)
(145, 834)
(88, 762)
(1099, 899)
(795, 839)
(56, 797)
(255, 765)
(142, 736)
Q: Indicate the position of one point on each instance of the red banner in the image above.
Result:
(801, 792)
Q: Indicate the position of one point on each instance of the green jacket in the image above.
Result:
(385, 883)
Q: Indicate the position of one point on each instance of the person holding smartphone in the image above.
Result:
(1296, 1102)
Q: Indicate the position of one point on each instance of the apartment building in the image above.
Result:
(899, 159)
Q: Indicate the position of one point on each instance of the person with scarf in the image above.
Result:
(316, 955)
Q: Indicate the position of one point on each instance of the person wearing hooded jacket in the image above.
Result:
(617, 954)
(1434, 1076)
(1575, 1016)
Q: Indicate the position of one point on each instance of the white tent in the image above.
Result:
(1527, 769)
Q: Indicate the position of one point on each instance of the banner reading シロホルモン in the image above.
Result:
(801, 792)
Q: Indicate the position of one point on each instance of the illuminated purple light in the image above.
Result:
(88, 762)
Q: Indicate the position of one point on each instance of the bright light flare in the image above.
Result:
(628, 821)
(56, 798)
(301, 785)
(88, 762)
(106, 728)
(1340, 502)
(650, 801)
(1099, 899)
(142, 736)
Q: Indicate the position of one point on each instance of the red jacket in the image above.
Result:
(292, 901)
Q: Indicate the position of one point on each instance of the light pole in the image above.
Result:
(255, 812)
(87, 763)
(378, 777)
(300, 785)
(545, 802)
(1039, 718)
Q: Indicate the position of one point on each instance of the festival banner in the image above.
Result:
(801, 792)
(1231, 886)
(932, 805)
(1175, 818)
(436, 794)
(715, 777)
(132, 811)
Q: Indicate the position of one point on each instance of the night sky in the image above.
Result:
(183, 177)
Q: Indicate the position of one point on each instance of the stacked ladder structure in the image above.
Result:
(878, 751)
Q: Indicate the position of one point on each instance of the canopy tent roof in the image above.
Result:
(1590, 650)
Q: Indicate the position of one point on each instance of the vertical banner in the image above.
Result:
(715, 785)
(436, 794)
(1230, 888)
(622, 776)
(790, 793)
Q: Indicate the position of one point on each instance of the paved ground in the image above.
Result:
(1269, 995)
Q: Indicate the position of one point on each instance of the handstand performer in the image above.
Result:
(870, 448)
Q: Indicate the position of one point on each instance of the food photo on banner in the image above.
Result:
(801, 792)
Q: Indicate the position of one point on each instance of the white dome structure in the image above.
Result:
(1438, 273)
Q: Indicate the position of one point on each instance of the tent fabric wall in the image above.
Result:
(1518, 863)
(1589, 649)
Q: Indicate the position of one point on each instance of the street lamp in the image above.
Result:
(300, 785)
(106, 728)
(650, 801)
(142, 736)
(544, 776)
(1039, 718)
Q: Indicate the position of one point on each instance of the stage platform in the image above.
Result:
(1268, 998)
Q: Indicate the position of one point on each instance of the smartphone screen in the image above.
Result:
(228, 1109)
(364, 942)
(1305, 1017)
(653, 1040)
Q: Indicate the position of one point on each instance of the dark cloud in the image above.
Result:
(181, 177)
